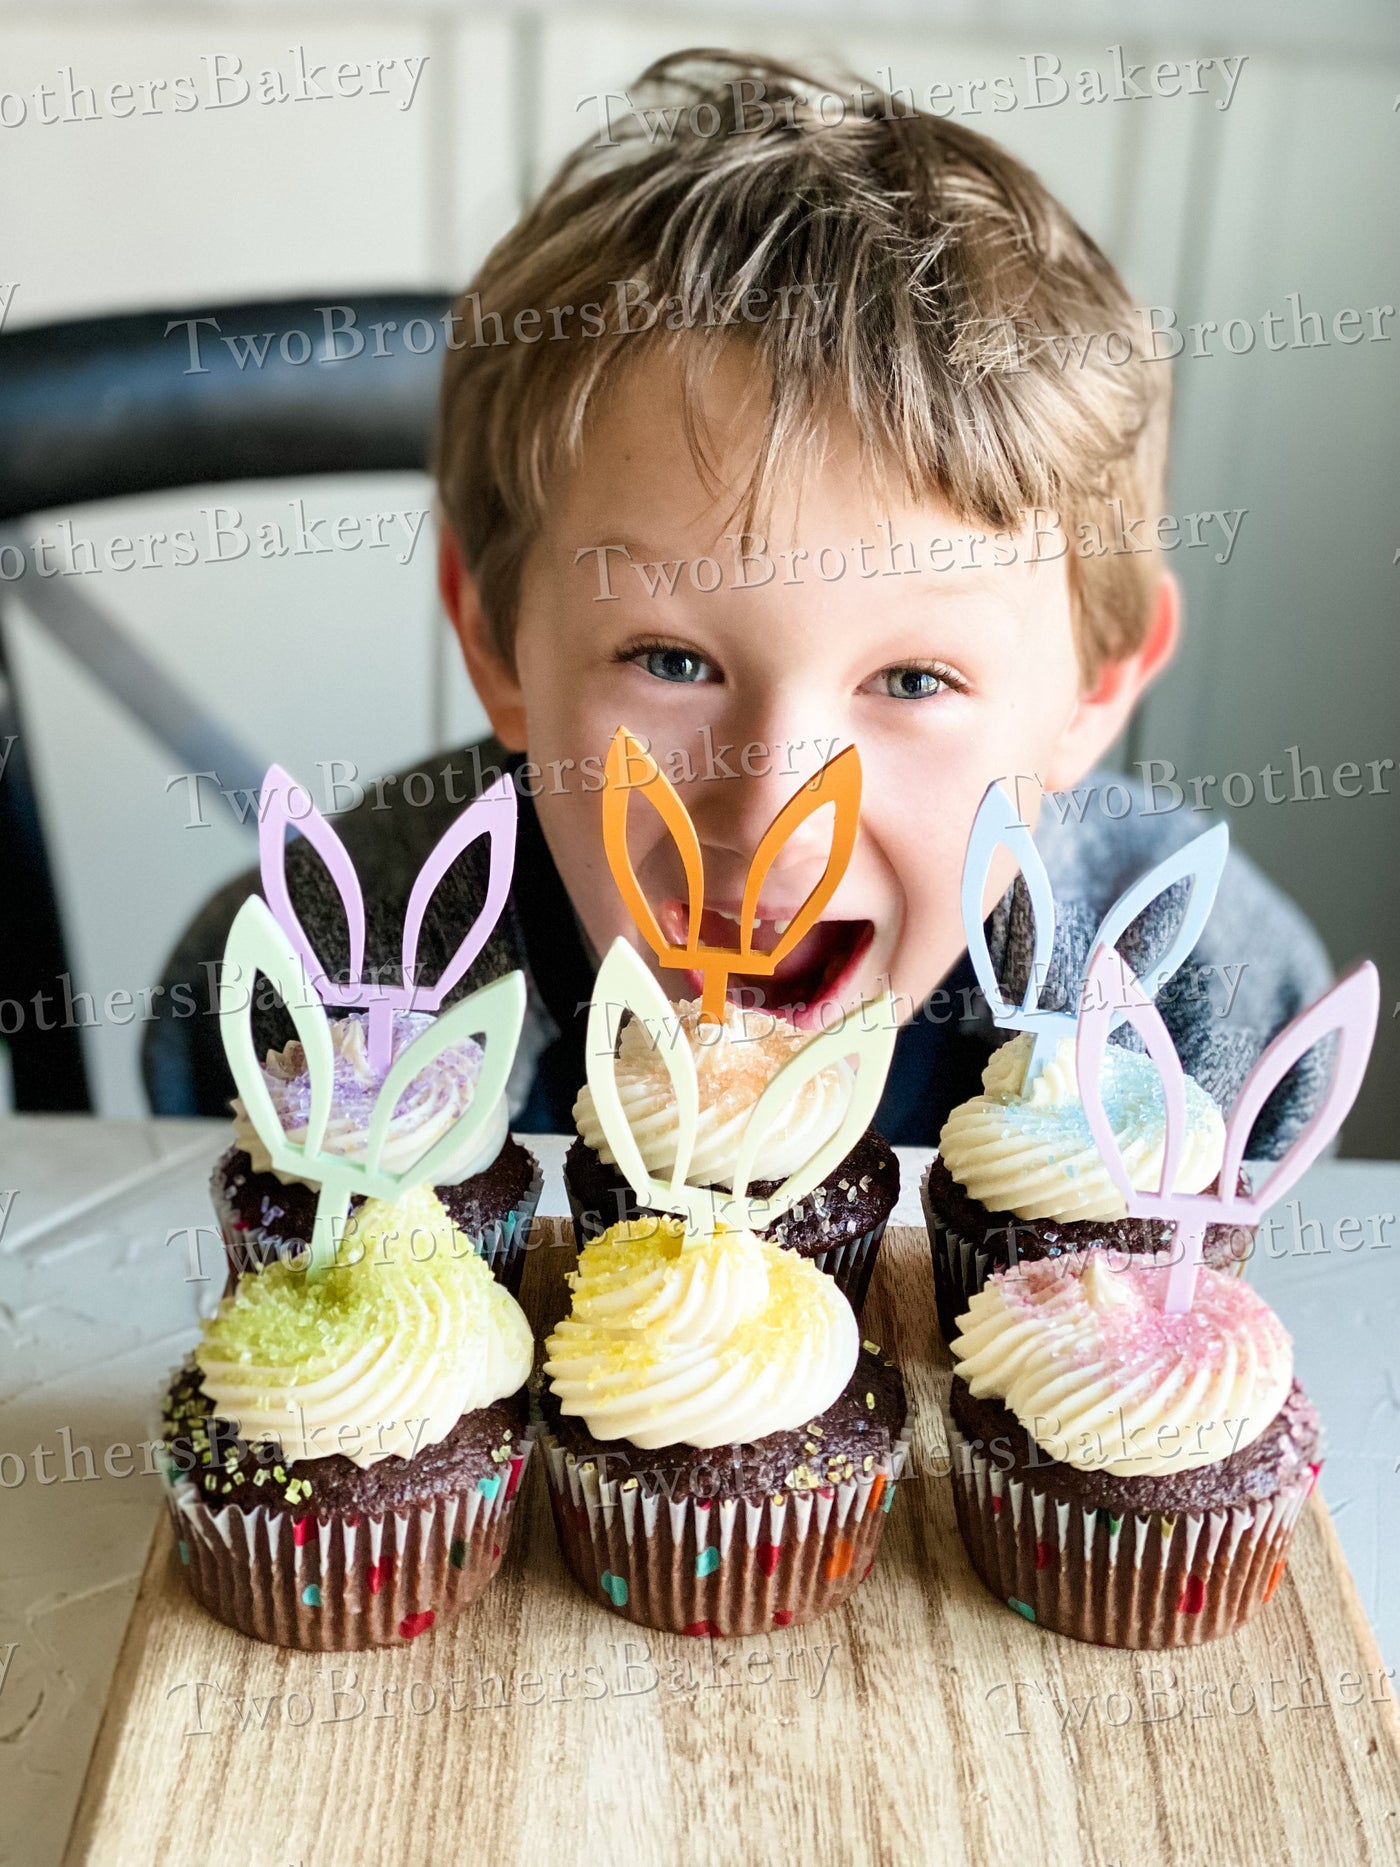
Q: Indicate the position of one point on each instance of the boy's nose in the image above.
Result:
(731, 814)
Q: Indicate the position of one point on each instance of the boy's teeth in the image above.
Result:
(781, 927)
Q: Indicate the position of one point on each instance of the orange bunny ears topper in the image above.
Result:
(630, 767)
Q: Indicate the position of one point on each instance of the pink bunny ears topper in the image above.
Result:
(999, 822)
(493, 814)
(1349, 1010)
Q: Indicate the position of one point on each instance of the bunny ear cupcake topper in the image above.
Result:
(493, 814)
(998, 822)
(630, 767)
(625, 985)
(258, 943)
(1349, 1010)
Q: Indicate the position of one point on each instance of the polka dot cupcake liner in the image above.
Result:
(851, 1264)
(961, 1268)
(350, 1582)
(1120, 1580)
(503, 1243)
(719, 1566)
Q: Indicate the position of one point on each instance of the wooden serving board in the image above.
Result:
(923, 1722)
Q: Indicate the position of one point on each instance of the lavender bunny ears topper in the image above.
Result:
(258, 943)
(1349, 1010)
(625, 984)
(493, 814)
(998, 822)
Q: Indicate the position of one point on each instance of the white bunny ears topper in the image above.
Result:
(1349, 1010)
(999, 822)
(625, 984)
(493, 814)
(258, 943)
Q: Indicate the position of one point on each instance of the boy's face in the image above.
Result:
(943, 679)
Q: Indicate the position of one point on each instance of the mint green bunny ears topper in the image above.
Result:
(624, 984)
(257, 943)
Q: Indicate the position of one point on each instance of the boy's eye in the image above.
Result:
(668, 663)
(916, 681)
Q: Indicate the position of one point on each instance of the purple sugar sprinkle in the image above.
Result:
(453, 1070)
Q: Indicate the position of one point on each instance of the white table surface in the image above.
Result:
(95, 1309)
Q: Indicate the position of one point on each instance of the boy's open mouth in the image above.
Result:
(819, 968)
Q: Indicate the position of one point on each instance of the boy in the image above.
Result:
(750, 441)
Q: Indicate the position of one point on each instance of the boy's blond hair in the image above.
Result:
(919, 271)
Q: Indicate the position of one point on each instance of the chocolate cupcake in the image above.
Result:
(264, 1215)
(721, 1448)
(1018, 1176)
(1121, 1474)
(343, 1453)
(838, 1225)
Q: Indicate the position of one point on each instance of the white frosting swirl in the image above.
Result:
(1030, 1151)
(734, 1062)
(434, 1102)
(1102, 1378)
(712, 1340)
(383, 1355)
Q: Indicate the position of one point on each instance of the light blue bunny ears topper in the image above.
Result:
(999, 823)
(275, 944)
(625, 985)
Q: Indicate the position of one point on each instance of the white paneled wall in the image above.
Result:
(1294, 642)
(1214, 213)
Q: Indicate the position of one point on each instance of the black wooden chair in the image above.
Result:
(105, 407)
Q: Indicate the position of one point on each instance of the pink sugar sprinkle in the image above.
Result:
(1138, 1337)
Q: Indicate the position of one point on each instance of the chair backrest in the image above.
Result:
(104, 407)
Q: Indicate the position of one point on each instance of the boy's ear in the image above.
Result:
(491, 674)
(1104, 708)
